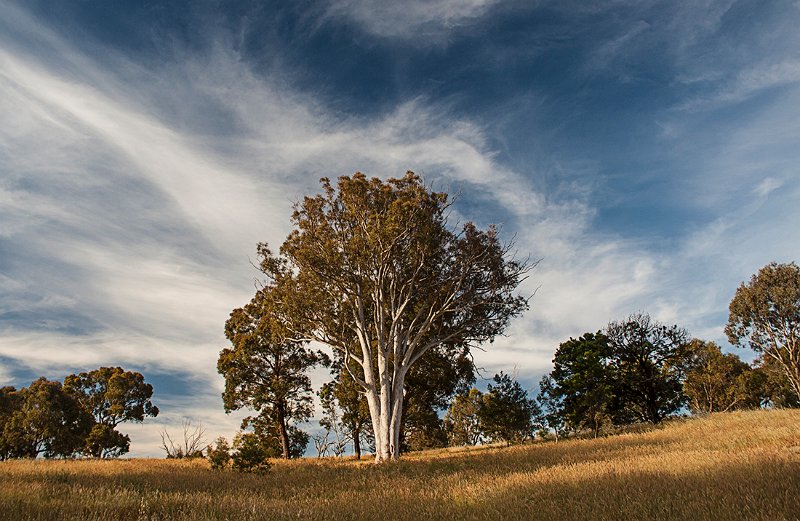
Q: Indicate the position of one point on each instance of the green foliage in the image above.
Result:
(506, 413)
(104, 441)
(582, 380)
(769, 381)
(462, 420)
(11, 401)
(249, 453)
(219, 455)
(630, 372)
(266, 371)
(552, 408)
(717, 382)
(442, 372)
(112, 396)
(76, 418)
(765, 316)
(422, 427)
(645, 359)
(44, 420)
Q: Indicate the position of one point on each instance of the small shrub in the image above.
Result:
(219, 455)
(249, 454)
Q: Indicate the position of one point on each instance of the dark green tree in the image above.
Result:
(506, 413)
(249, 453)
(442, 372)
(373, 270)
(219, 455)
(552, 408)
(765, 316)
(582, 380)
(266, 371)
(646, 363)
(112, 396)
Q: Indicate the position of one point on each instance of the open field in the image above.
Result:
(743, 465)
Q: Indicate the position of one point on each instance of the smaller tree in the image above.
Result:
(112, 396)
(716, 382)
(462, 420)
(506, 413)
(646, 363)
(551, 405)
(265, 371)
(353, 411)
(249, 453)
(321, 443)
(581, 382)
(765, 316)
(333, 423)
(219, 455)
(47, 421)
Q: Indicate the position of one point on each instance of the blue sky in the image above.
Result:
(647, 152)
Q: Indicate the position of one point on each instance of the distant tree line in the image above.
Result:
(77, 418)
(640, 370)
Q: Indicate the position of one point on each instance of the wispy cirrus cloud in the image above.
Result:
(126, 232)
(426, 22)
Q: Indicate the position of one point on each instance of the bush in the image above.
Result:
(219, 456)
(249, 453)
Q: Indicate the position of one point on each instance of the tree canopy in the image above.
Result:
(373, 270)
(265, 371)
(112, 396)
(717, 382)
(44, 420)
(582, 381)
(462, 420)
(506, 413)
(645, 356)
(765, 316)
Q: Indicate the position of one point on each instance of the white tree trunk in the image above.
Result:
(386, 412)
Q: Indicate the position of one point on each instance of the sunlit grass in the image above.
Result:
(728, 466)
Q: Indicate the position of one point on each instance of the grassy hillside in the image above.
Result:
(743, 465)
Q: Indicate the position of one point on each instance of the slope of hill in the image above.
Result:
(743, 465)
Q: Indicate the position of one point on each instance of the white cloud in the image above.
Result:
(418, 20)
(746, 84)
(767, 186)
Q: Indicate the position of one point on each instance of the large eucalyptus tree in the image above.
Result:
(373, 269)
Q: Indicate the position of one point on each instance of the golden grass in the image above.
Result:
(743, 465)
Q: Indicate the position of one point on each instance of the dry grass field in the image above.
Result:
(743, 465)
